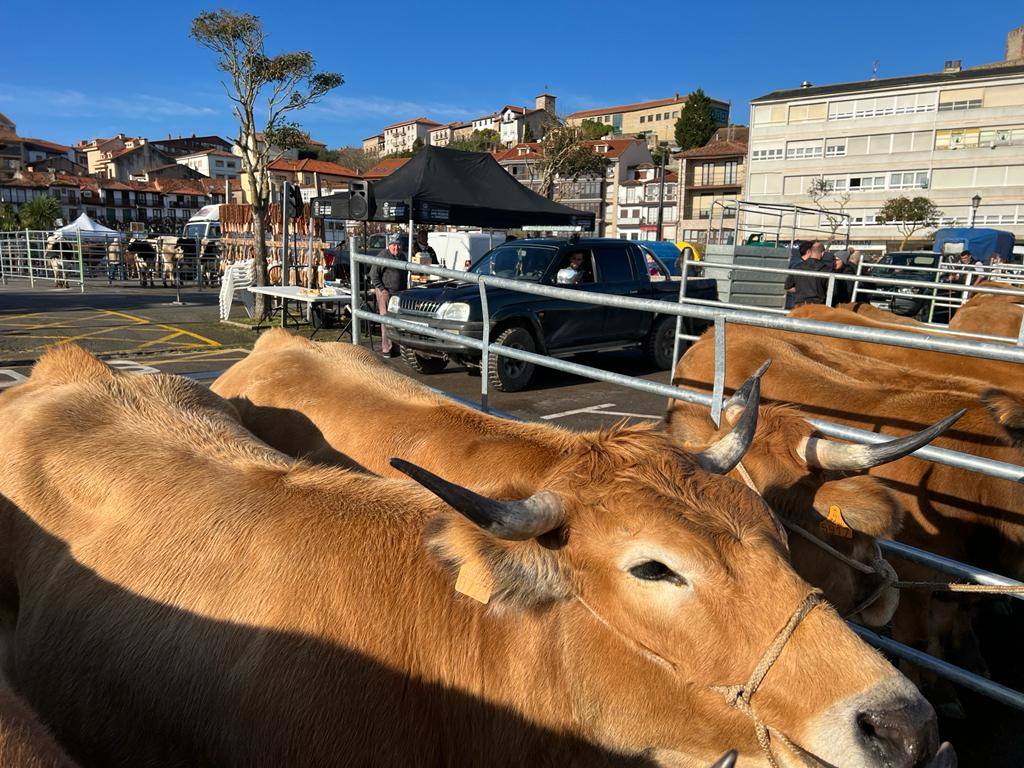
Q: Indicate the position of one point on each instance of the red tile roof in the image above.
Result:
(312, 166)
(50, 145)
(422, 120)
(615, 146)
(385, 167)
(513, 153)
(629, 107)
(716, 149)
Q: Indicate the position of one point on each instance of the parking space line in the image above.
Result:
(599, 410)
(578, 410)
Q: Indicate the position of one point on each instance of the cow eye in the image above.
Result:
(652, 570)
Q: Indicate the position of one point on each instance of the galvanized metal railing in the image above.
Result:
(39, 257)
(714, 401)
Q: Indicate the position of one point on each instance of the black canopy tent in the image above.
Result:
(449, 186)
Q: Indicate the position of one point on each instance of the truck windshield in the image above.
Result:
(517, 262)
(195, 230)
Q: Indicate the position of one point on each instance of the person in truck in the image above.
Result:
(578, 262)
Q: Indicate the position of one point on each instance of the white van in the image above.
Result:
(458, 250)
(205, 223)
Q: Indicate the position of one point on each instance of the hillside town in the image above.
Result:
(946, 135)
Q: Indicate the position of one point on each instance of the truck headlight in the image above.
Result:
(393, 305)
(453, 310)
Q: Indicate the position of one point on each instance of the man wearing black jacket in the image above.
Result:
(385, 282)
(810, 289)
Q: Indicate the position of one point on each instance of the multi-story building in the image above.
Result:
(187, 145)
(520, 124)
(641, 198)
(712, 179)
(314, 177)
(654, 120)
(588, 193)
(948, 136)
(374, 145)
(400, 137)
(18, 153)
(213, 163)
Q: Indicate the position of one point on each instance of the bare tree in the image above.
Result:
(282, 84)
(566, 155)
(830, 204)
(909, 215)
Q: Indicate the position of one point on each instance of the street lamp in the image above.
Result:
(975, 202)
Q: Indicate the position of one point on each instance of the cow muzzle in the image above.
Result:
(889, 726)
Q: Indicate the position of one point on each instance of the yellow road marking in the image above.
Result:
(161, 340)
(207, 341)
(134, 318)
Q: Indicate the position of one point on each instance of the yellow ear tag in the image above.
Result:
(835, 525)
(475, 581)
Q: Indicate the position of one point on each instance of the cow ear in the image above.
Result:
(1007, 411)
(67, 364)
(859, 503)
(519, 574)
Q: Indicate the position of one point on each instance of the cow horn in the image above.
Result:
(728, 760)
(738, 401)
(828, 454)
(516, 520)
(725, 454)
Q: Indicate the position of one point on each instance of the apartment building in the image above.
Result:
(18, 153)
(654, 120)
(948, 136)
(213, 163)
(314, 177)
(596, 194)
(640, 200)
(712, 178)
(400, 137)
(374, 145)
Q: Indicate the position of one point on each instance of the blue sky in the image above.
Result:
(131, 67)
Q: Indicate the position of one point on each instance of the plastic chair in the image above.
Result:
(237, 279)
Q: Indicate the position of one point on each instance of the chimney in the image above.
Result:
(805, 84)
(951, 65)
(1015, 44)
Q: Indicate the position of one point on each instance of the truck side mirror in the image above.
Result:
(567, 276)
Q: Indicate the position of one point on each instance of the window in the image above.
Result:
(1004, 96)
(675, 113)
(657, 116)
(764, 114)
(643, 118)
(908, 180)
(666, 115)
(882, 106)
(835, 148)
(804, 113)
(866, 183)
(767, 153)
(730, 172)
(960, 99)
(218, 163)
(613, 264)
(836, 183)
(801, 150)
(707, 173)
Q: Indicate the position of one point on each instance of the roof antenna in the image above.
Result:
(874, 70)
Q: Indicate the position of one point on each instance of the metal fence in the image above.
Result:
(39, 257)
(933, 293)
(47, 258)
(721, 317)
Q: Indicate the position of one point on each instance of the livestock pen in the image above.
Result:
(721, 316)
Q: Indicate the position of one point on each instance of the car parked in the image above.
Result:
(907, 301)
(556, 327)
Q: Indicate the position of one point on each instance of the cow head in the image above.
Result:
(807, 481)
(667, 580)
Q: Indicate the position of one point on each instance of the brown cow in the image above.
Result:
(24, 742)
(995, 318)
(317, 400)
(996, 372)
(246, 609)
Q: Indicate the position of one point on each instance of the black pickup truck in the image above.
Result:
(556, 327)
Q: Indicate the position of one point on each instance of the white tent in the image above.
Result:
(87, 228)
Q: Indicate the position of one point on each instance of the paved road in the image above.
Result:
(141, 330)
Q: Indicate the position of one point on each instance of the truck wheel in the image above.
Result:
(422, 363)
(504, 373)
(659, 343)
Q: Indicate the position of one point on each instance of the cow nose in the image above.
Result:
(903, 737)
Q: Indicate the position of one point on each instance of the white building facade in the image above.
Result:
(946, 136)
(214, 163)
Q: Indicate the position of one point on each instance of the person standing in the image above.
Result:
(810, 289)
(422, 254)
(387, 281)
(844, 263)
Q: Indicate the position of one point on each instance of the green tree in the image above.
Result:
(594, 130)
(40, 213)
(8, 219)
(528, 136)
(282, 84)
(909, 215)
(417, 145)
(695, 125)
(355, 158)
(566, 155)
(478, 141)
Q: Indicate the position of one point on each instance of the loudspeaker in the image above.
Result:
(361, 203)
